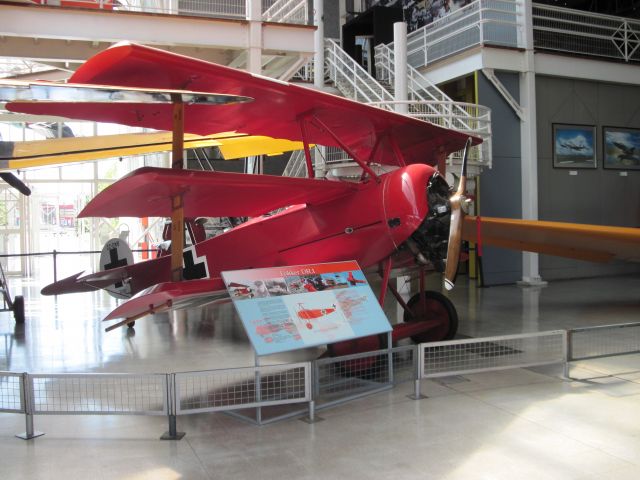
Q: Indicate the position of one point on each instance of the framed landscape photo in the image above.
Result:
(621, 148)
(574, 146)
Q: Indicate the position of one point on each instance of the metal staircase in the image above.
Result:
(426, 101)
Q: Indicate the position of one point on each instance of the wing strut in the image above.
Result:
(397, 151)
(177, 204)
(307, 154)
(362, 164)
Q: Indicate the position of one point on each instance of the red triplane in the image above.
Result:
(398, 216)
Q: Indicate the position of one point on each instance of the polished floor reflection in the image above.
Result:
(514, 424)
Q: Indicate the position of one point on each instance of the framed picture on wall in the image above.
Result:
(621, 148)
(574, 146)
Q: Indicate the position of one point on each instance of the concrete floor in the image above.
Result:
(526, 423)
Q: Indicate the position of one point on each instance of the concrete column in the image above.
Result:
(528, 144)
(318, 43)
(254, 42)
(400, 66)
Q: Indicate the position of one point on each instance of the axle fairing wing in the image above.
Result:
(280, 109)
(147, 192)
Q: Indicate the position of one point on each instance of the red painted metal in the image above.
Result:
(351, 222)
(276, 111)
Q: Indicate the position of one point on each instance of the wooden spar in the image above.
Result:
(307, 153)
(177, 205)
(177, 155)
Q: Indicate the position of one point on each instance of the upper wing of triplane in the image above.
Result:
(279, 110)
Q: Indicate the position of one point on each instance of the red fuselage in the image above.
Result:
(367, 225)
(360, 226)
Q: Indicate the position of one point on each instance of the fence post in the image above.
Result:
(568, 354)
(258, 389)
(417, 362)
(390, 357)
(311, 417)
(55, 265)
(27, 398)
(172, 401)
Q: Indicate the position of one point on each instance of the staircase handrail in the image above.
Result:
(281, 11)
(421, 89)
(359, 79)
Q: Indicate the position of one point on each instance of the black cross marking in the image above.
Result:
(193, 270)
(115, 262)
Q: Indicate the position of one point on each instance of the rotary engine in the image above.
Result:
(429, 242)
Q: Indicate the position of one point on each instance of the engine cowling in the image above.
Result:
(417, 212)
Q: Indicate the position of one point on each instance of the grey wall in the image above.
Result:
(331, 18)
(600, 197)
(500, 187)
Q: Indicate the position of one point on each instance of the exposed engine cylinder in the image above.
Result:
(432, 236)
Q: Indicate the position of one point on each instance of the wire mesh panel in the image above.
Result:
(11, 393)
(492, 353)
(340, 378)
(285, 11)
(231, 389)
(107, 394)
(405, 363)
(213, 8)
(568, 30)
(605, 341)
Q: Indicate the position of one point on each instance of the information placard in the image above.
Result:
(293, 307)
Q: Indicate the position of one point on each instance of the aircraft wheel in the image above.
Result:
(18, 309)
(131, 324)
(439, 310)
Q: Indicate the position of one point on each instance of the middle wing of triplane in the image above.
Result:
(279, 110)
(147, 192)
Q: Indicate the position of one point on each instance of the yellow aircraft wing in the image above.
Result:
(39, 153)
(595, 243)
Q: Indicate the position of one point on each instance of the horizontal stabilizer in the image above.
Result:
(71, 285)
(595, 243)
(164, 296)
(139, 275)
(147, 192)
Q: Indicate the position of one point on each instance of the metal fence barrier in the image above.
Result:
(459, 357)
(99, 393)
(342, 379)
(243, 388)
(604, 341)
(327, 381)
(12, 392)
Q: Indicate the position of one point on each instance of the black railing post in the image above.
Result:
(55, 265)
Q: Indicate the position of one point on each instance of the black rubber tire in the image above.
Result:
(436, 303)
(18, 309)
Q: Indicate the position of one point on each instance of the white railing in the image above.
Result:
(495, 22)
(431, 104)
(464, 117)
(427, 103)
(586, 33)
(419, 87)
(285, 11)
(350, 78)
(296, 166)
(281, 11)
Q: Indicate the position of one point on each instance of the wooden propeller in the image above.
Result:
(456, 201)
